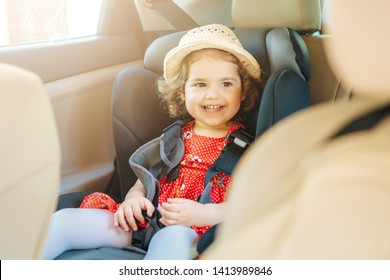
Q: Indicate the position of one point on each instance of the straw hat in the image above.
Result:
(215, 36)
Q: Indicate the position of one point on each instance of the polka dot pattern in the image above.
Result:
(200, 153)
(99, 200)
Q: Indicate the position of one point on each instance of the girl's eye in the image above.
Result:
(200, 85)
(226, 84)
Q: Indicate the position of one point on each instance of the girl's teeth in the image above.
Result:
(215, 107)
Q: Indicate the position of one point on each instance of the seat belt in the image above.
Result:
(367, 121)
(174, 14)
(238, 142)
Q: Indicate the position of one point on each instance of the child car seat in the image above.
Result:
(135, 106)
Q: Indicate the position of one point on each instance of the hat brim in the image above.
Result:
(175, 57)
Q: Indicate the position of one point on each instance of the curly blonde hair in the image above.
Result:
(171, 92)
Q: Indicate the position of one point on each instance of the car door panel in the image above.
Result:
(80, 93)
(82, 106)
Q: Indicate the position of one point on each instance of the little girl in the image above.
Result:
(209, 80)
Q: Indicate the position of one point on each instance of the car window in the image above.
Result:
(27, 21)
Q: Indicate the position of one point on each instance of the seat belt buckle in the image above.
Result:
(241, 138)
(141, 238)
(143, 225)
(240, 143)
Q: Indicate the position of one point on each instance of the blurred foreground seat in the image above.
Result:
(29, 164)
(317, 186)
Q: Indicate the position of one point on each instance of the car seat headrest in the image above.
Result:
(286, 49)
(360, 46)
(155, 53)
(301, 15)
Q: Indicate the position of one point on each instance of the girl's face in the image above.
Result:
(213, 91)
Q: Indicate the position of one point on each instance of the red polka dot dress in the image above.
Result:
(200, 153)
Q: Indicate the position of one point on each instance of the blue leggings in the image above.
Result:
(76, 228)
(172, 243)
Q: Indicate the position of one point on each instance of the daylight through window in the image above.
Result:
(26, 21)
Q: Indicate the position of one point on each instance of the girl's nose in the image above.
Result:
(212, 93)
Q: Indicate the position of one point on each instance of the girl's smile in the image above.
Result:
(213, 108)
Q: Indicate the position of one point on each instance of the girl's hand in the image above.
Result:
(180, 211)
(130, 211)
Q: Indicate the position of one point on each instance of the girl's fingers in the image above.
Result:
(149, 207)
(120, 220)
(168, 214)
(130, 219)
(171, 207)
(137, 214)
(116, 223)
(168, 222)
(177, 200)
(146, 205)
(129, 214)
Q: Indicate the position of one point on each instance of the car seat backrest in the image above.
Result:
(286, 90)
(29, 164)
(136, 118)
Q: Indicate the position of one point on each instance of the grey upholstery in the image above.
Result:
(286, 90)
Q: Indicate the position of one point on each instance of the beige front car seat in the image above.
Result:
(29, 164)
(301, 193)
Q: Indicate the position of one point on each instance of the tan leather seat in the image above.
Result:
(29, 164)
(301, 194)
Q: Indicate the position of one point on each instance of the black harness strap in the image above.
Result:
(364, 122)
(238, 142)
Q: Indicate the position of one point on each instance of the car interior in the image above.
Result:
(96, 111)
(285, 63)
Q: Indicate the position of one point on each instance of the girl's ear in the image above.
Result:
(243, 95)
(182, 95)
